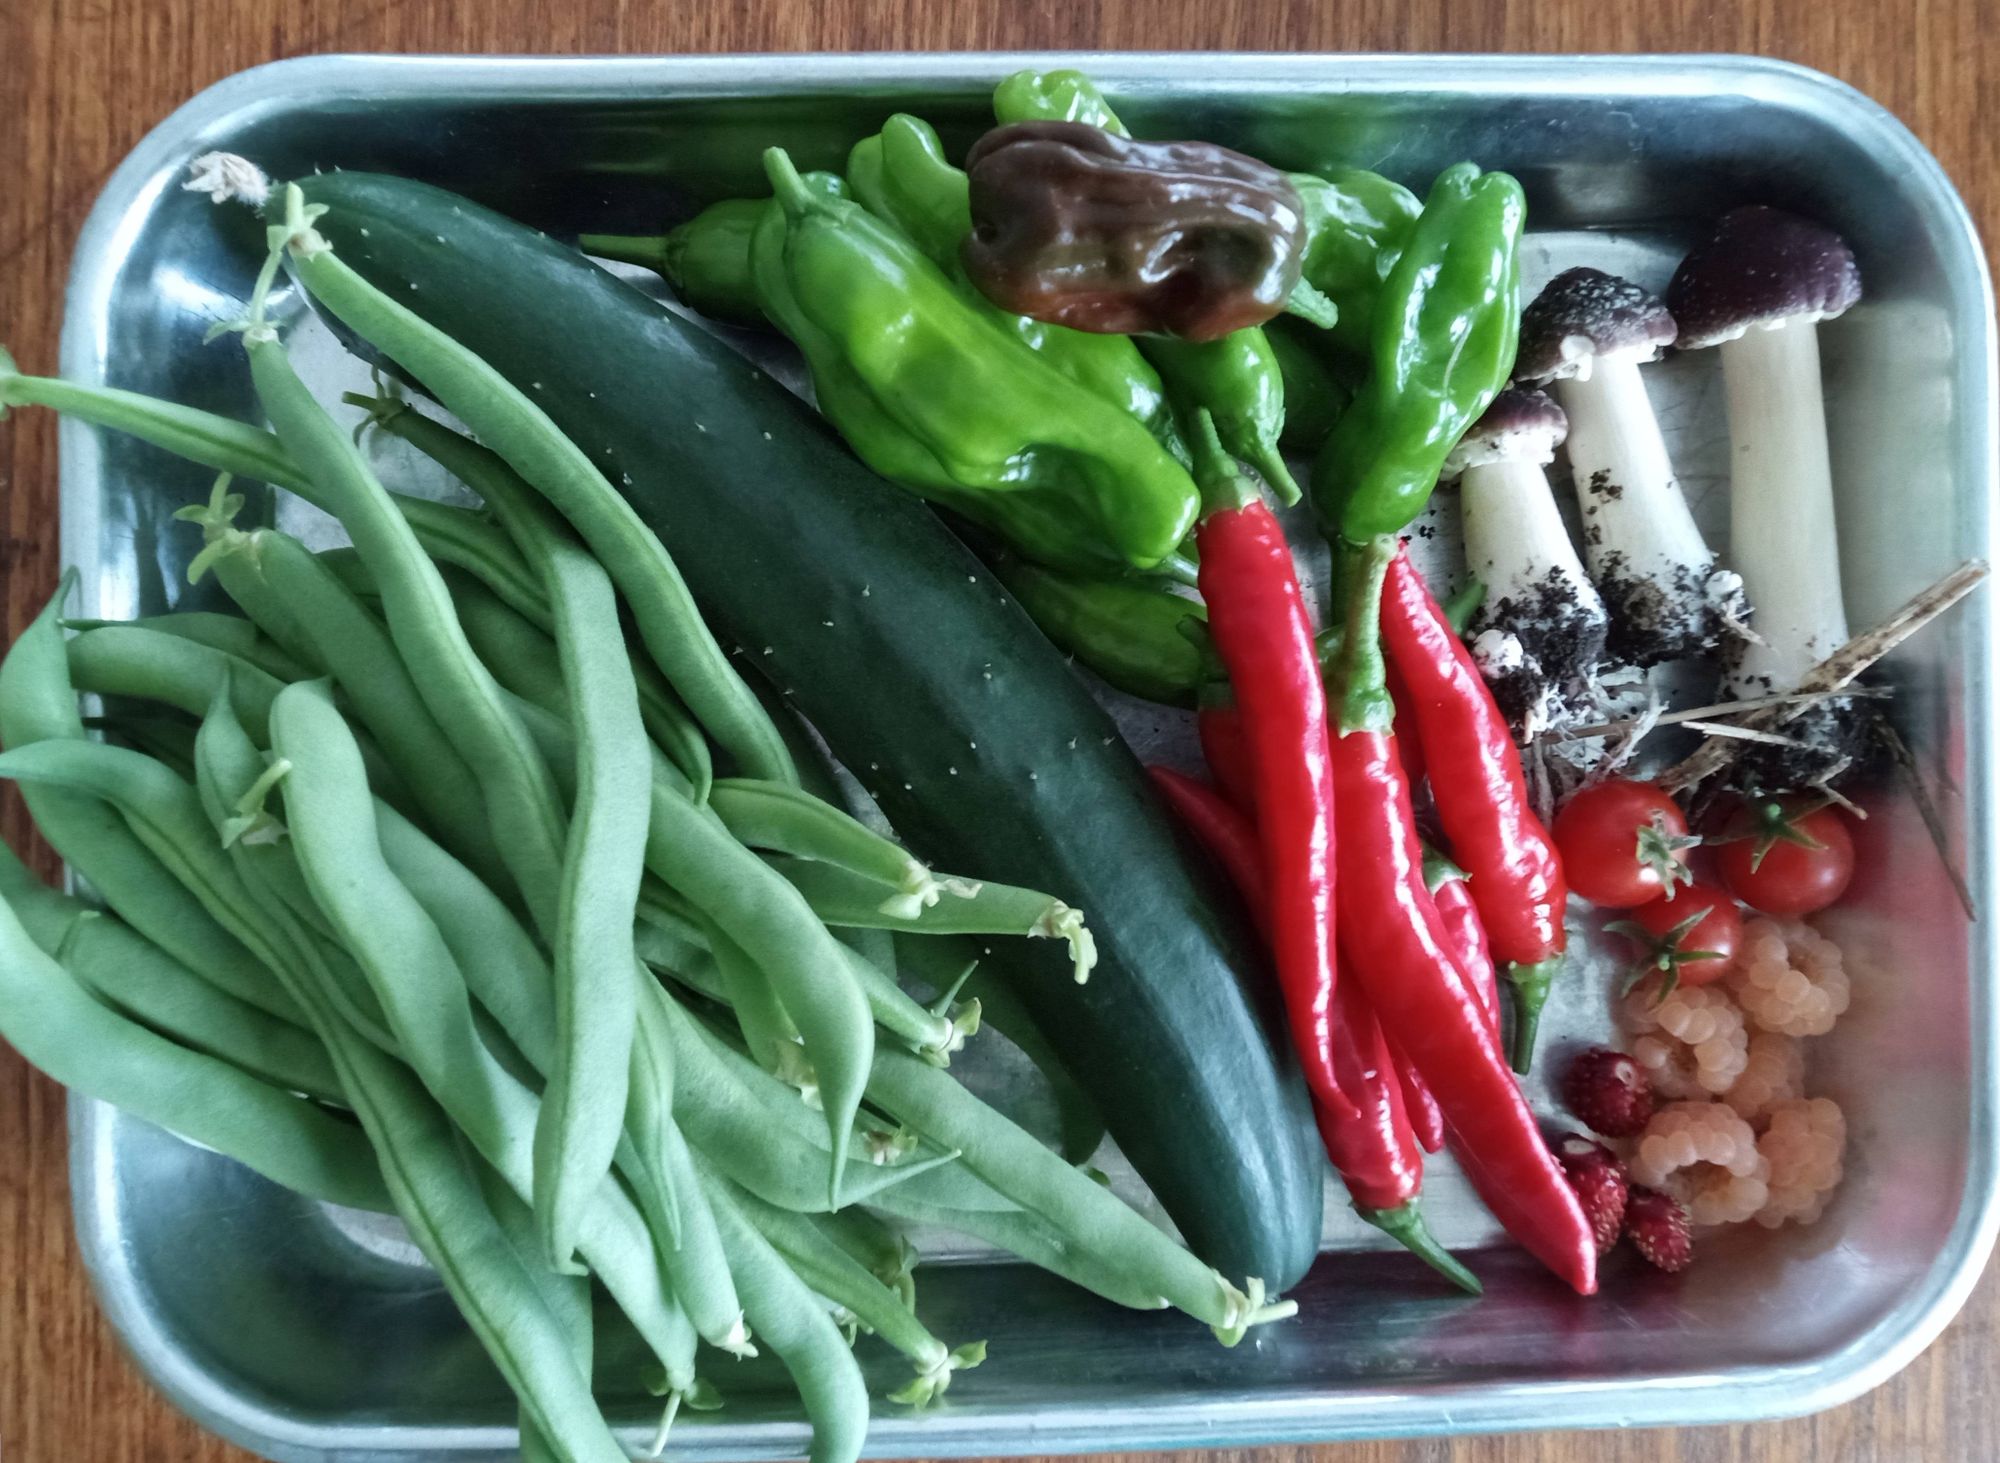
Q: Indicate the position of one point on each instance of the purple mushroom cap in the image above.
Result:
(1761, 266)
(1585, 314)
(1520, 425)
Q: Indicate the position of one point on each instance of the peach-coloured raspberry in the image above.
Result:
(1691, 1043)
(1706, 1157)
(1775, 1072)
(1789, 978)
(1803, 1142)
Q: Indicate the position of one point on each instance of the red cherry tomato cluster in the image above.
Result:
(1625, 845)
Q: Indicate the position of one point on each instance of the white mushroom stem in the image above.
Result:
(1536, 588)
(1781, 531)
(1639, 538)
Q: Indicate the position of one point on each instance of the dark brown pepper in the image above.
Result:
(1078, 227)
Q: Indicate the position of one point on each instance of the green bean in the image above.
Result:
(768, 1032)
(517, 430)
(522, 658)
(617, 1245)
(1018, 1166)
(799, 1330)
(350, 569)
(566, 1296)
(752, 1126)
(450, 534)
(49, 1018)
(231, 634)
(520, 799)
(37, 704)
(837, 1276)
(667, 720)
(302, 606)
(968, 908)
(783, 819)
(932, 1035)
(168, 739)
(694, 855)
(949, 962)
(135, 977)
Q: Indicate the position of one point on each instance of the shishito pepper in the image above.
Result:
(1444, 333)
(1131, 632)
(930, 392)
(1356, 225)
(1235, 379)
(903, 177)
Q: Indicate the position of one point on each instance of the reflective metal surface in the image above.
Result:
(308, 1335)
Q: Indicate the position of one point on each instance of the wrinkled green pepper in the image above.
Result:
(1235, 378)
(1444, 335)
(1130, 632)
(706, 259)
(1314, 396)
(1356, 225)
(929, 391)
(1054, 96)
(902, 176)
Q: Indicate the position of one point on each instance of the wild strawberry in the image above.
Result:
(1658, 1229)
(1608, 1091)
(1599, 1179)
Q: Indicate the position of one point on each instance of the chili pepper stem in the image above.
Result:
(1529, 985)
(1363, 681)
(792, 193)
(1405, 1225)
(649, 251)
(1270, 465)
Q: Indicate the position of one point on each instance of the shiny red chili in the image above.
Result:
(1453, 897)
(1426, 1121)
(1220, 727)
(1513, 871)
(1225, 832)
(1263, 635)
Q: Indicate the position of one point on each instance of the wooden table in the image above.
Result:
(82, 80)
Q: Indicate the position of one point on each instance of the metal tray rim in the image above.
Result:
(1729, 1396)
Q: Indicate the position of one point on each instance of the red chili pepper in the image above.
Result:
(1400, 952)
(1376, 1151)
(1258, 621)
(1426, 1121)
(1225, 832)
(1406, 721)
(1513, 871)
(1223, 747)
(1453, 897)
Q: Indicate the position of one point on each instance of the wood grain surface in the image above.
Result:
(82, 80)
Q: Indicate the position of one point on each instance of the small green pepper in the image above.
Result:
(928, 390)
(1131, 632)
(902, 176)
(1356, 224)
(706, 259)
(1054, 96)
(1444, 335)
(1314, 396)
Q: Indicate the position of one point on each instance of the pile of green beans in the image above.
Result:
(422, 837)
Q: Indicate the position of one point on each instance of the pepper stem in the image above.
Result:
(793, 193)
(1529, 985)
(1221, 481)
(1364, 676)
(1464, 604)
(648, 251)
(1405, 1225)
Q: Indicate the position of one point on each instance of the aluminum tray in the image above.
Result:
(304, 1336)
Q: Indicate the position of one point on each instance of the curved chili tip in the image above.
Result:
(1405, 1225)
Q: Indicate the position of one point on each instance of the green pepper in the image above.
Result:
(1130, 632)
(929, 391)
(1235, 379)
(902, 176)
(1356, 224)
(1314, 396)
(1444, 335)
(706, 259)
(1054, 96)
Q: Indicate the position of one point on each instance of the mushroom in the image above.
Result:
(1589, 332)
(1758, 287)
(1542, 627)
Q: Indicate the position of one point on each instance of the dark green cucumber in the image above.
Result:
(980, 744)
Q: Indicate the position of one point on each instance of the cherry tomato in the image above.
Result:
(1692, 938)
(1784, 856)
(1623, 843)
